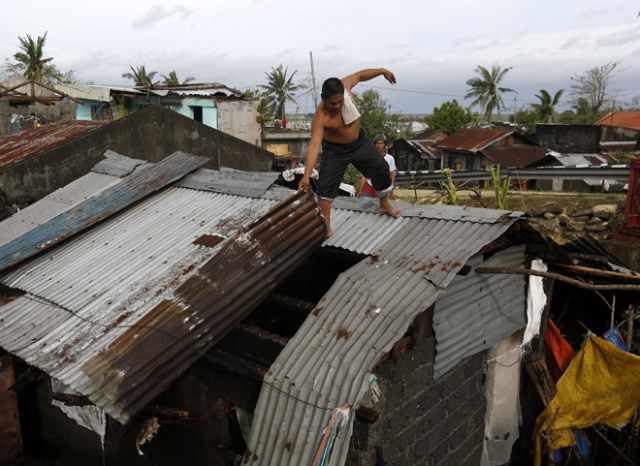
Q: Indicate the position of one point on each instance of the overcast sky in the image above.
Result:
(432, 47)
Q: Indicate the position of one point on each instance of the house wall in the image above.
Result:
(239, 118)
(209, 111)
(422, 421)
(149, 135)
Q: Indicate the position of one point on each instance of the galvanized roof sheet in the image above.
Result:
(95, 208)
(478, 310)
(329, 361)
(174, 273)
(14, 148)
(54, 204)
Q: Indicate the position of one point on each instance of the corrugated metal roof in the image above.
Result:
(173, 274)
(478, 310)
(54, 204)
(14, 148)
(516, 156)
(103, 93)
(161, 279)
(230, 181)
(369, 308)
(96, 208)
(629, 120)
(473, 139)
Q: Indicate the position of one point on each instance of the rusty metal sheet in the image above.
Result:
(473, 139)
(15, 148)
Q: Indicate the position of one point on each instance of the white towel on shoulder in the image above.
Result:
(350, 112)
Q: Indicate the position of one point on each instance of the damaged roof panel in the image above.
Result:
(14, 148)
(96, 208)
(54, 204)
(152, 284)
(363, 314)
(477, 310)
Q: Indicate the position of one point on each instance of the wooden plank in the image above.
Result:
(10, 436)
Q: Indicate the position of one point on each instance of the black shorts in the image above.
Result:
(363, 155)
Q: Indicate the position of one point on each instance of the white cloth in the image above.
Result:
(350, 112)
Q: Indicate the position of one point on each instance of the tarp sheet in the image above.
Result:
(599, 386)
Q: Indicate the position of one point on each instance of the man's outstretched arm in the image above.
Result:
(365, 75)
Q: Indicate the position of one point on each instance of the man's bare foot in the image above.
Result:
(329, 233)
(387, 208)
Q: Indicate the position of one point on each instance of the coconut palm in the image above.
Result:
(486, 91)
(280, 89)
(140, 76)
(546, 108)
(30, 59)
(172, 79)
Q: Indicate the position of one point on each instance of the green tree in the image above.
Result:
(375, 116)
(172, 79)
(280, 89)
(594, 86)
(31, 57)
(582, 114)
(525, 120)
(29, 62)
(450, 117)
(140, 76)
(263, 111)
(546, 110)
(485, 90)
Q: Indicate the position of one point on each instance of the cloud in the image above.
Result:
(158, 13)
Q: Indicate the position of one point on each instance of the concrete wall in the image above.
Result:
(149, 135)
(423, 422)
(572, 139)
(298, 142)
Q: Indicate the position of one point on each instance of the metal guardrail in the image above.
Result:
(544, 173)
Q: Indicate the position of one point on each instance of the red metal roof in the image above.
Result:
(473, 139)
(629, 120)
(17, 147)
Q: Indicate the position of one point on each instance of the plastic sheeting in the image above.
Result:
(599, 386)
(502, 385)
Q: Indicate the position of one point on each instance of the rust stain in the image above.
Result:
(316, 312)
(373, 259)
(209, 240)
(343, 334)
(288, 446)
(448, 266)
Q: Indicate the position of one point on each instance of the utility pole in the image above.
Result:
(314, 90)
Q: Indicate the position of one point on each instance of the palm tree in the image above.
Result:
(172, 79)
(140, 76)
(485, 90)
(30, 58)
(280, 89)
(546, 108)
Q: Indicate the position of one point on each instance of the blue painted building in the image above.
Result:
(212, 104)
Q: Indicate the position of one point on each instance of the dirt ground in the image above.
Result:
(525, 201)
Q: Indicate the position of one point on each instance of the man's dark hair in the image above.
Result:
(331, 87)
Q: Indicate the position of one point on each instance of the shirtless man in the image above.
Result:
(336, 128)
